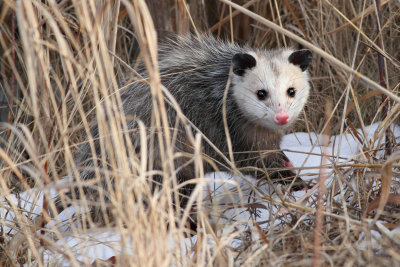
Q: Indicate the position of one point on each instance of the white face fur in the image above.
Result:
(273, 92)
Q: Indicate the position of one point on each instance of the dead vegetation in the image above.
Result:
(61, 60)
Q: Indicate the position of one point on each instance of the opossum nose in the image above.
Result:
(281, 117)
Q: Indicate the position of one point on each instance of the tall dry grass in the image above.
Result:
(61, 66)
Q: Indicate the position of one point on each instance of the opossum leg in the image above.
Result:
(281, 171)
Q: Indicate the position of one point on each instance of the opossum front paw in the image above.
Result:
(286, 177)
(278, 168)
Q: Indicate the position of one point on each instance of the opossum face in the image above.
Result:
(271, 87)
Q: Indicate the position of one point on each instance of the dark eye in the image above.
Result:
(262, 94)
(291, 92)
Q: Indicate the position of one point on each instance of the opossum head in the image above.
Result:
(271, 87)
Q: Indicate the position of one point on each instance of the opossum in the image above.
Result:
(267, 90)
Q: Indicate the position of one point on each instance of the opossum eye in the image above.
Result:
(291, 92)
(262, 94)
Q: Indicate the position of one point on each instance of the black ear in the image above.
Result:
(242, 62)
(301, 58)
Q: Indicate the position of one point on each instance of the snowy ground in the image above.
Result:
(303, 149)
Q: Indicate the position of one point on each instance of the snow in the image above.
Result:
(304, 150)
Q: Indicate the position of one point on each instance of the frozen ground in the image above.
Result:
(303, 149)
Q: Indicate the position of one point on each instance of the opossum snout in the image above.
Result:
(281, 117)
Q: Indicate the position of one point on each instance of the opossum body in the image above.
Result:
(268, 89)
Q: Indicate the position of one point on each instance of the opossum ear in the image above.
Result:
(242, 62)
(301, 58)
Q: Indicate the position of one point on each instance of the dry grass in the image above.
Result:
(63, 60)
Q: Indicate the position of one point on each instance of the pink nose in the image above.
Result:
(281, 117)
